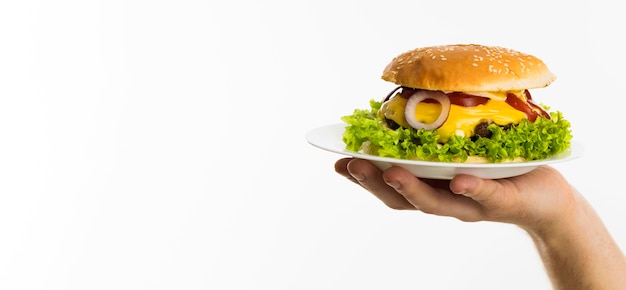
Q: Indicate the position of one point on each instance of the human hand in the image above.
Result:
(570, 237)
(534, 201)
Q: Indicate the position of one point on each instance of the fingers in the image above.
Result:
(369, 177)
(465, 197)
(522, 200)
(500, 200)
(478, 189)
(341, 167)
(399, 189)
(433, 197)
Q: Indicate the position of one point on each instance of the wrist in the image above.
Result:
(563, 223)
(559, 214)
(578, 242)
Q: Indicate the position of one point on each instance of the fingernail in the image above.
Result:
(461, 192)
(358, 177)
(394, 184)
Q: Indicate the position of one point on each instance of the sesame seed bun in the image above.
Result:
(468, 68)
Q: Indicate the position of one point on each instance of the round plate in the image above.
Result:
(330, 138)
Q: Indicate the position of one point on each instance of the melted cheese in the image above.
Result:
(461, 120)
(393, 109)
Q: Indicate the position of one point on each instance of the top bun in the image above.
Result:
(468, 68)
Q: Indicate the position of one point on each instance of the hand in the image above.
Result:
(575, 246)
(534, 201)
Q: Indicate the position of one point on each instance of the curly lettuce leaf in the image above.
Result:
(528, 140)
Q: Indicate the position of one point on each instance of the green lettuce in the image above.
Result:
(529, 140)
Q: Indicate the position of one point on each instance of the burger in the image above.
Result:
(465, 103)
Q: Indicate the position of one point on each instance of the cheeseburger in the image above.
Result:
(461, 103)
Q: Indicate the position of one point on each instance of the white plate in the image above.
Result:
(330, 138)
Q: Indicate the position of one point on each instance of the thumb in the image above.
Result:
(478, 189)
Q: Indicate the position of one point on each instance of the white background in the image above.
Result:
(160, 144)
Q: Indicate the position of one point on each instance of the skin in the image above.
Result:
(576, 248)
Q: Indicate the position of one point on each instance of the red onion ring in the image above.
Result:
(420, 96)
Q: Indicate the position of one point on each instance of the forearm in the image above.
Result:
(580, 252)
